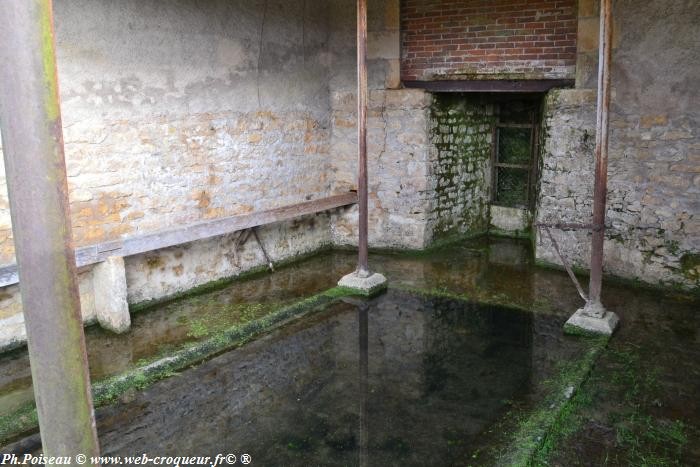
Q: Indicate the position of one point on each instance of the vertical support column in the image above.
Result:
(36, 180)
(593, 316)
(362, 279)
(601, 155)
(362, 265)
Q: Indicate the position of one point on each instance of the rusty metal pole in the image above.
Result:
(32, 136)
(593, 316)
(601, 159)
(362, 279)
(362, 266)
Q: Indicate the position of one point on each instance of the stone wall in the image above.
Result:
(188, 110)
(461, 137)
(398, 167)
(654, 167)
(179, 112)
(397, 153)
(171, 270)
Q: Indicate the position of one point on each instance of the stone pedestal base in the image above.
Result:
(592, 319)
(369, 285)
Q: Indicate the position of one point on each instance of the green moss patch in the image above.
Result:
(577, 331)
(542, 428)
(690, 266)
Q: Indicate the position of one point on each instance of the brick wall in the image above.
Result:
(444, 39)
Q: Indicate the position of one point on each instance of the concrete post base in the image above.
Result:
(592, 319)
(369, 285)
(109, 286)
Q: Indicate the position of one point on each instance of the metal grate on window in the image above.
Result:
(512, 189)
(514, 135)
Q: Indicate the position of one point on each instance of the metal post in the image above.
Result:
(362, 266)
(601, 159)
(593, 316)
(362, 279)
(36, 180)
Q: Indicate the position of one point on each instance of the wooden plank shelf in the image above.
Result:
(92, 254)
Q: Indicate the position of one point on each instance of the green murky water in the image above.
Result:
(402, 379)
(426, 362)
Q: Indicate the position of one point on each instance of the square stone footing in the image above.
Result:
(109, 285)
(583, 323)
(369, 285)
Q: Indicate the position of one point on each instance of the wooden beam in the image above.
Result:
(93, 254)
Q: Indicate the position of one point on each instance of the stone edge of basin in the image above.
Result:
(526, 441)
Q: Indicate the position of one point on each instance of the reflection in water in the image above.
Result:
(364, 375)
(433, 375)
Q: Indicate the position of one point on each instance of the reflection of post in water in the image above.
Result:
(364, 364)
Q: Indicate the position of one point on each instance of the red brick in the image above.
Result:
(510, 35)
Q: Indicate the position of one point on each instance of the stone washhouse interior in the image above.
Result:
(350, 232)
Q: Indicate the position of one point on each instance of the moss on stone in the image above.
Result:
(523, 234)
(24, 420)
(642, 435)
(571, 330)
(690, 266)
(541, 428)
(497, 299)
(219, 284)
(463, 149)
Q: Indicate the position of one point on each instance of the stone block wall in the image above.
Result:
(653, 181)
(171, 270)
(469, 39)
(180, 112)
(429, 165)
(461, 137)
(399, 169)
(186, 111)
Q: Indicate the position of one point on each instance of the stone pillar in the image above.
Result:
(109, 284)
(587, 44)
